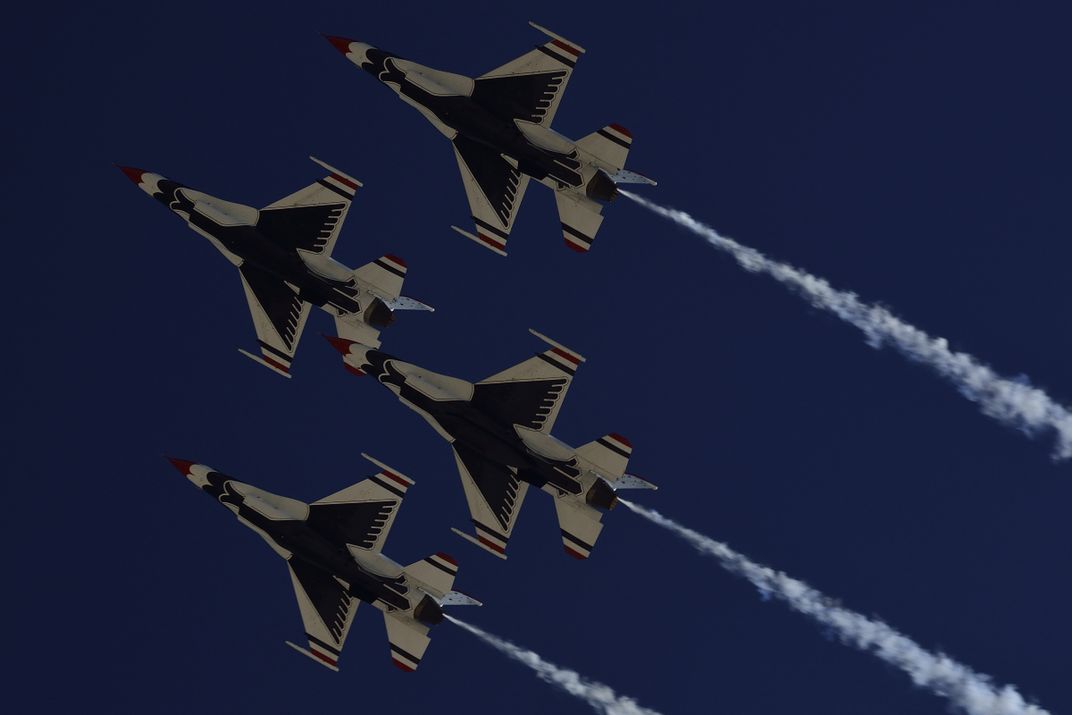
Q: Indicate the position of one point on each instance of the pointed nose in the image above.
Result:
(132, 173)
(342, 44)
(197, 473)
(340, 344)
(147, 181)
(354, 354)
(356, 52)
(182, 465)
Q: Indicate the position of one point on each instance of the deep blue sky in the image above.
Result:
(918, 153)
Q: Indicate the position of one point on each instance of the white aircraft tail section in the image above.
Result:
(580, 526)
(608, 147)
(408, 640)
(608, 454)
(351, 327)
(434, 574)
(385, 276)
(580, 217)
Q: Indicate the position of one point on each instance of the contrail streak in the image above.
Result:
(974, 692)
(601, 697)
(1014, 402)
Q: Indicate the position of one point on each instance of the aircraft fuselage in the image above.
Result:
(444, 96)
(281, 522)
(232, 229)
(459, 421)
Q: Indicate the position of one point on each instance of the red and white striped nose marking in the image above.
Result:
(182, 465)
(356, 52)
(147, 181)
(132, 173)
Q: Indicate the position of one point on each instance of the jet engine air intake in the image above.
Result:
(601, 188)
(601, 496)
(428, 612)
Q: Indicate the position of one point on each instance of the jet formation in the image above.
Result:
(499, 428)
(500, 126)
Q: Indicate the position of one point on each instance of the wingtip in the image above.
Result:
(402, 666)
(574, 554)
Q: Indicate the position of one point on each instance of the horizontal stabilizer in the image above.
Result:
(580, 219)
(608, 454)
(357, 331)
(408, 640)
(580, 527)
(609, 147)
(434, 574)
(385, 276)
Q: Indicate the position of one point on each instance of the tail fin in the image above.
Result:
(608, 147)
(385, 276)
(434, 574)
(608, 454)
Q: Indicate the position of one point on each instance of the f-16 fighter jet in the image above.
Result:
(500, 430)
(333, 551)
(283, 254)
(500, 126)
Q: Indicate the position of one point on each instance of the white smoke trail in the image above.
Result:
(1014, 402)
(601, 697)
(974, 692)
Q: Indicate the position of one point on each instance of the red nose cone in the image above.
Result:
(132, 173)
(181, 464)
(340, 43)
(340, 344)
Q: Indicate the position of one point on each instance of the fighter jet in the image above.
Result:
(333, 552)
(500, 126)
(283, 254)
(500, 431)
